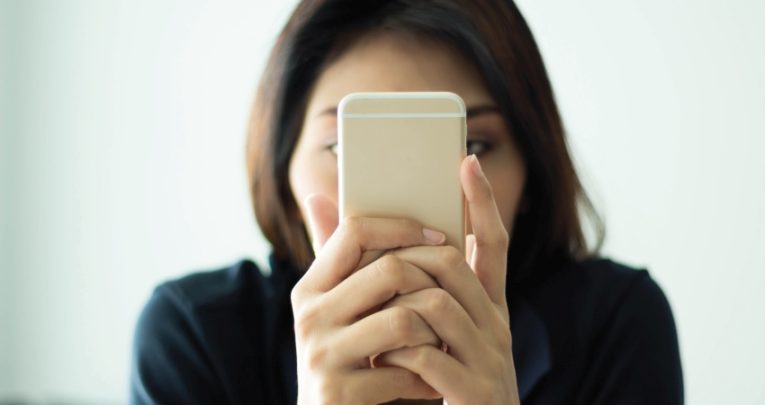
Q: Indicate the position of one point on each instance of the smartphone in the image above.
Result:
(399, 156)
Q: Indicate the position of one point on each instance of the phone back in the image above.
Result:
(399, 157)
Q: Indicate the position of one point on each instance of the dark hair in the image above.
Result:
(490, 33)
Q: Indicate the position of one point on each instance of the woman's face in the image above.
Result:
(387, 62)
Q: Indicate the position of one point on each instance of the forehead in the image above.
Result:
(388, 62)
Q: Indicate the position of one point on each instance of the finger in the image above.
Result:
(447, 318)
(322, 219)
(382, 331)
(384, 384)
(469, 248)
(437, 369)
(372, 286)
(491, 238)
(355, 235)
(447, 265)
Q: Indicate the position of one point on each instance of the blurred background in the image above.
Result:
(122, 165)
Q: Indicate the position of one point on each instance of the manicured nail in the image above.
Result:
(476, 166)
(433, 237)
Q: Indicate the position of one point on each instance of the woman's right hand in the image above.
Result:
(335, 304)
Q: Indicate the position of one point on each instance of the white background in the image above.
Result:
(121, 163)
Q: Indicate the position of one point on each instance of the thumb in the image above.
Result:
(322, 219)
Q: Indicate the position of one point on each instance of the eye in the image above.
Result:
(477, 147)
(332, 148)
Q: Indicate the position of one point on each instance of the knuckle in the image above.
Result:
(330, 392)
(451, 257)
(317, 356)
(401, 322)
(493, 363)
(390, 268)
(504, 237)
(505, 342)
(352, 226)
(296, 294)
(406, 225)
(439, 301)
(306, 319)
(423, 358)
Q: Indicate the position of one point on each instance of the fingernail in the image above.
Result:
(476, 166)
(433, 237)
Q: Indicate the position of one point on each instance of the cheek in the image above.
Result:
(312, 173)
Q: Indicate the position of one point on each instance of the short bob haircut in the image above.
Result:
(491, 34)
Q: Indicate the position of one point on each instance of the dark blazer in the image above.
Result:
(594, 332)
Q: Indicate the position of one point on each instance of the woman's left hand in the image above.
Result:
(469, 312)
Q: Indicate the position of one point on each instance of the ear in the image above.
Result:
(322, 219)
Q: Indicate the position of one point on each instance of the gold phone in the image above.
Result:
(399, 157)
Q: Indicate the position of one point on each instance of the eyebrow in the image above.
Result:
(473, 111)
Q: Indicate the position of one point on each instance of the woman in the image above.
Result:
(531, 315)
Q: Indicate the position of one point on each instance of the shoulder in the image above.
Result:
(622, 287)
(588, 297)
(198, 330)
(594, 285)
(603, 278)
(224, 287)
(612, 326)
(200, 304)
(611, 291)
(181, 303)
